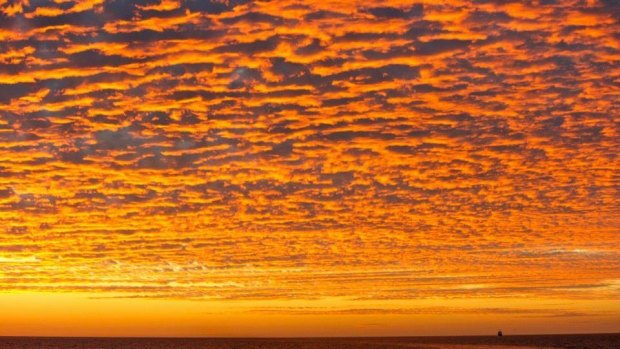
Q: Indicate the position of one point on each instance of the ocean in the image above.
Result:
(577, 341)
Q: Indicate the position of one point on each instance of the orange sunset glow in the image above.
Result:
(309, 168)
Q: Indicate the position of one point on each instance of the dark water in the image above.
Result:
(603, 341)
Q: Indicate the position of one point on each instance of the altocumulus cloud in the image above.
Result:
(402, 147)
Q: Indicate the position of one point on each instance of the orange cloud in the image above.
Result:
(378, 158)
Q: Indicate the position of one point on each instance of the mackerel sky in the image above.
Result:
(314, 158)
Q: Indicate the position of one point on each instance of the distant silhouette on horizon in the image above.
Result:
(499, 333)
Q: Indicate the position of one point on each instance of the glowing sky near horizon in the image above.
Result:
(408, 167)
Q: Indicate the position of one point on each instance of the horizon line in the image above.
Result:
(317, 337)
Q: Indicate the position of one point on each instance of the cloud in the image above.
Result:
(377, 151)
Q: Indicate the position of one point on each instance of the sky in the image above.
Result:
(309, 168)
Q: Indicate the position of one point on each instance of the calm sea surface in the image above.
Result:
(547, 341)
